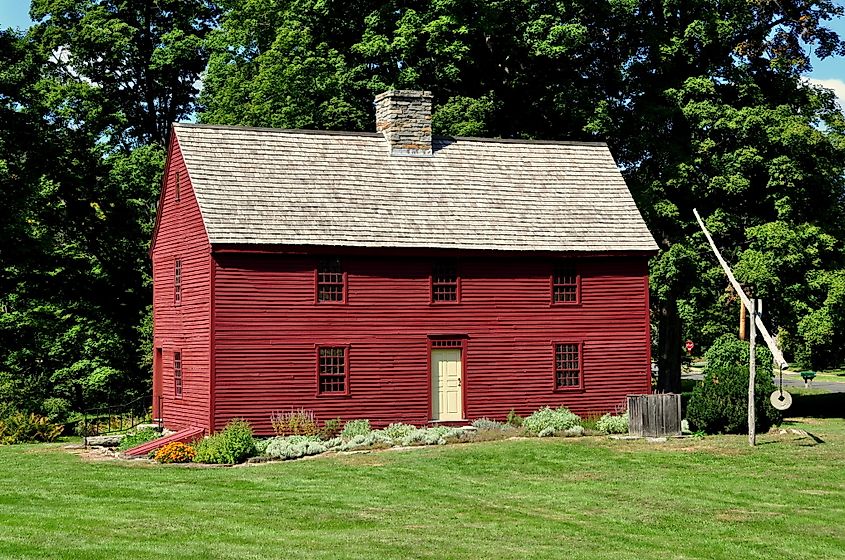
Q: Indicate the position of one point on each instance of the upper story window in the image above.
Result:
(177, 373)
(565, 284)
(445, 284)
(178, 189)
(177, 281)
(567, 366)
(332, 368)
(331, 281)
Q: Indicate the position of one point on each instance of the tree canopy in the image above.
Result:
(702, 103)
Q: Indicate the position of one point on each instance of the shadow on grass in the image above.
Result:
(818, 405)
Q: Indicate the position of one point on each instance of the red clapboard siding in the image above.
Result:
(266, 326)
(185, 326)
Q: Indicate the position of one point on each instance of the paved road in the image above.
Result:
(790, 381)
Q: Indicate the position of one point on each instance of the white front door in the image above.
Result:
(446, 398)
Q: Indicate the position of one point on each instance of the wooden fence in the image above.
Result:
(656, 415)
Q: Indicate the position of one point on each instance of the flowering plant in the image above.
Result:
(175, 452)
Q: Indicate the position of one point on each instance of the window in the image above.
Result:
(177, 281)
(331, 370)
(444, 282)
(567, 366)
(565, 284)
(178, 186)
(331, 281)
(177, 373)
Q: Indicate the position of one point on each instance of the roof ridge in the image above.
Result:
(530, 141)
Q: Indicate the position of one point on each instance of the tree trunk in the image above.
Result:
(669, 348)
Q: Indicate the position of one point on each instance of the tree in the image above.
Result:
(132, 68)
(87, 99)
(701, 102)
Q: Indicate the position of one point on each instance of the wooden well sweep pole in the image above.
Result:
(746, 301)
(752, 373)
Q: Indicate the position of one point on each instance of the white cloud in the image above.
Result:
(837, 85)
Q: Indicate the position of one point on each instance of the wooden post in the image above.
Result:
(752, 373)
(742, 322)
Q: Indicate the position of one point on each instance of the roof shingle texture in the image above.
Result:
(265, 186)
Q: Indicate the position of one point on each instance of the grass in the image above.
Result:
(573, 498)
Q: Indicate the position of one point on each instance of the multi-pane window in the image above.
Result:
(177, 281)
(331, 369)
(177, 373)
(567, 366)
(565, 284)
(330, 280)
(178, 188)
(444, 282)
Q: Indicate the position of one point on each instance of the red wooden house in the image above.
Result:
(392, 276)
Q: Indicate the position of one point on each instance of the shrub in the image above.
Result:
(331, 429)
(719, 404)
(487, 424)
(295, 423)
(234, 444)
(610, 424)
(261, 445)
(19, 427)
(514, 419)
(398, 431)
(558, 420)
(294, 447)
(141, 436)
(175, 452)
(56, 409)
(355, 428)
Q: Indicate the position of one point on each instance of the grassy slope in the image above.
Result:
(577, 498)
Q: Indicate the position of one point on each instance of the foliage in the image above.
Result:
(56, 409)
(514, 419)
(20, 427)
(294, 447)
(175, 452)
(294, 423)
(331, 429)
(404, 436)
(137, 438)
(548, 421)
(234, 444)
(487, 424)
(610, 424)
(355, 428)
(719, 404)
(398, 430)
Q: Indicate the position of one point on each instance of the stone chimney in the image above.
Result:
(404, 117)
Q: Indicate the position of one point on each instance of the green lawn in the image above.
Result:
(588, 498)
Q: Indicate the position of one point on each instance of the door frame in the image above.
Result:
(456, 341)
(158, 380)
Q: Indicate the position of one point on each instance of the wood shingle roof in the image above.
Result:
(294, 187)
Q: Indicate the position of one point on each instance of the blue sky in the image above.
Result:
(830, 72)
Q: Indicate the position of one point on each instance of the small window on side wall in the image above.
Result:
(177, 281)
(177, 373)
(445, 282)
(331, 281)
(568, 366)
(332, 370)
(566, 285)
(178, 189)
